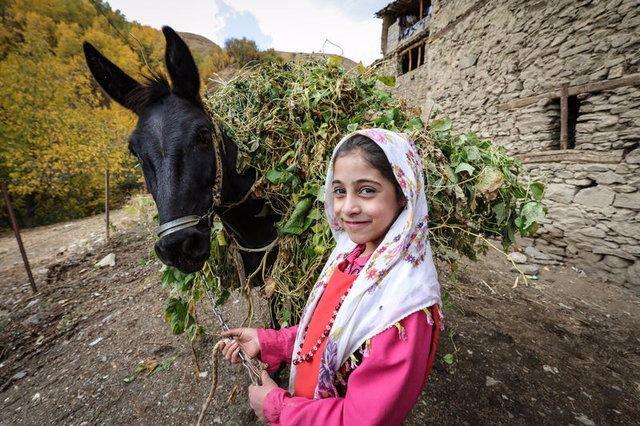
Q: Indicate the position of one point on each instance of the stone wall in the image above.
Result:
(393, 34)
(506, 50)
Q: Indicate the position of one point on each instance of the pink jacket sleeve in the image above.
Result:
(276, 346)
(381, 391)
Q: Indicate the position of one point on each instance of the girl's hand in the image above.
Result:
(257, 394)
(246, 339)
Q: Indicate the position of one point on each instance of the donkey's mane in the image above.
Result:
(154, 87)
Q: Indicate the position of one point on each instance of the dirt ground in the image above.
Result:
(564, 349)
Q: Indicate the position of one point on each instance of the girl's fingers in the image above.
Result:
(234, 355)
(228, 350)
(232, 332)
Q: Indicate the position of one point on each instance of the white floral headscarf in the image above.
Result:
(398, 279)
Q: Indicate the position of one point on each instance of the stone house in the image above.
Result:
(557, 83)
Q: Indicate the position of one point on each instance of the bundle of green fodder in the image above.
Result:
(287, 118)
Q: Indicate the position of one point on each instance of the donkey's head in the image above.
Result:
(173, 142)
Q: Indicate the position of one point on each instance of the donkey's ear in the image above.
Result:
(181, 66)
(112, 79)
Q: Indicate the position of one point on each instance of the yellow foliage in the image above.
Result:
(58, 131)
(69, 37)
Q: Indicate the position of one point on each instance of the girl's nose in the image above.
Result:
(352, 206)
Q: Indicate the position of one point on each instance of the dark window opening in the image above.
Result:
(573, 112)
(413, 58)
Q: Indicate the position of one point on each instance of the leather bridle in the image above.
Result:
(184, 222)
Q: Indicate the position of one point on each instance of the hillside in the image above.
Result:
(200, 44)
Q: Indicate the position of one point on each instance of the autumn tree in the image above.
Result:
(242, 50)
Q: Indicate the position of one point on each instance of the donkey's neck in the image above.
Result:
(244, 221)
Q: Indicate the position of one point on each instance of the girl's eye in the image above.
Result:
(338, 191)
(368, 190)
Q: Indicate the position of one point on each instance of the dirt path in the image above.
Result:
(47, 244)
(562, 350)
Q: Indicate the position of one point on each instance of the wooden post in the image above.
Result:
(106, 201)
(16, 231)
(410, 59)
(564, 116)
(421, 8)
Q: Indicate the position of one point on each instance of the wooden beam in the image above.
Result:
(572, 156)
(410, 59)
(421, 9)
(564, 116)
(597, 86)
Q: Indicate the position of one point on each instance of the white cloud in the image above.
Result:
(294, 26)
(304, 25)
(194, 16)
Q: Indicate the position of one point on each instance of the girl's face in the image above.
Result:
(364, 201)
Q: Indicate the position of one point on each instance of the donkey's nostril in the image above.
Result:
(162, 252)
(194, 246)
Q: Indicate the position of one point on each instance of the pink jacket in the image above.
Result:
(382, 390)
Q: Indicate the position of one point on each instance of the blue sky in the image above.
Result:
(294, 25)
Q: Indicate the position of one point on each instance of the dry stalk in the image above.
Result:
(214, 382)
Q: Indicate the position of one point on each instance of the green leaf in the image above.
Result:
(415, 124)
(176, 313)
(387, 80)
(315, 214)
(167, 277)
(449, 359)
(298, 222)
(464, 167)
(532, 212)
(352, 127)
(501, 212)
(489, 182)
(537, 190)
(441, 125)
(473, 153)
(274, 176)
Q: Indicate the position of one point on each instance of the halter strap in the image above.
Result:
(177, 224)
(188, 221)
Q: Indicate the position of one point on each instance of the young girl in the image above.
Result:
(367, 336)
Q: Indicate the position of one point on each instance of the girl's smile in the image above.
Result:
(364, 201)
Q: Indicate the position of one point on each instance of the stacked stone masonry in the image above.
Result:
(505, 50)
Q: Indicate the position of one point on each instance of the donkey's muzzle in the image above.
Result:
(186, 249)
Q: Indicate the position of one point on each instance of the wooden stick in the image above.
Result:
(106, 201)
(564, 116)
(16, 231)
